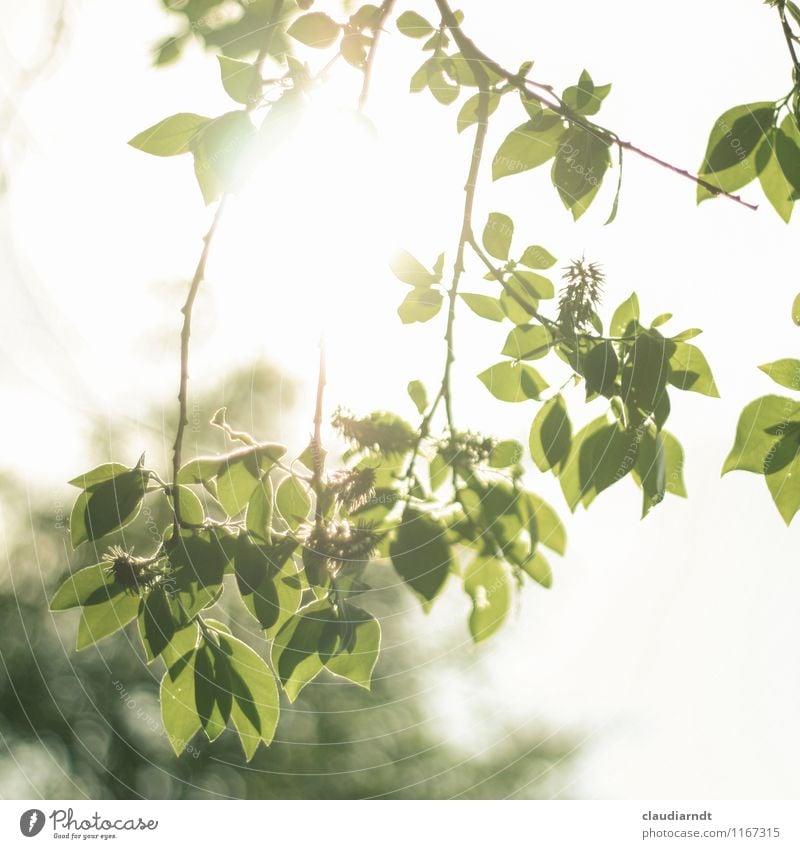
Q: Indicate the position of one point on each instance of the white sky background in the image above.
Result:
(672, 645)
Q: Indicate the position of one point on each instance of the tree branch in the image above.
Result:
(517, 81)
(790, 41)
(383, 12)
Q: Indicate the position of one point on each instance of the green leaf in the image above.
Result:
(689, 370)
(469, 114)
(417, 393)
(784, 372)
(580, 164)
(198, 562)
(539, 569)
(528, 146)
(796, 310)
(439, 471)
(760, 423)
(624, 315)
(316, 29)
(421, 555)
(585, 98)
(660, 319)
(102, 473)
(497, 235)
(105, 612)
(241, 80)
(673, 462)
(730, 159)
(237, 479)
(650, 469)
(782, 473)
(170, 137)
(212, 688)
(178, 704)
(357, 648)
(646, 371)
(80, 587)
(420, 305)
(268, 583)
(259, 511)
(787, 151)
(303, 646)
(413, 25)
(551, 434)
(530, 285)
(512, 308)
(776, 187)
(484, 306)
(599, 368)
(223, 150)
(513, 382)
(528, 342)
(505, 454)
(107, 506)
(736, 135)
(487, 581)
(192, 510)
(550, 530)
(255, 704)
(292, 501)
(536, 256)
(409, 270)
(156, 622)
(183, 643)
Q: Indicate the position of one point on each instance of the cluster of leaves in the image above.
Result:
(632, 369)
(578, 148)
(760, 140)
(767, 440)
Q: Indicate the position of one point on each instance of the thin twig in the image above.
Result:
(517, 81)
(186, 332)
(383, 12)
(317, 455)
(464, 239)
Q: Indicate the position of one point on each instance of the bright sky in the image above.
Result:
(672, 645)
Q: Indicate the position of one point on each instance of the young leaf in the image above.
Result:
(316, 29)
(625, 315)
(255, 704)
(528, 146)
(409, 270)
(487, 581)
(497, 235)
(421, 555)
(420, 305)
(551, 434)
(689, 370)
(417, 393)
(156, 622)
(513, 382)
(292, 501)
(413, 25)
(580, 164)
(784, 372)
(537, 257)
(357, 648)
(241, 80)
(469, 113)
(212, 687)
(178, 703)
(170, 137)
(760, 424)
(80, 587)
(108, 610)
(736, 135)
(107, 506)
(782, 473)
(484, 306)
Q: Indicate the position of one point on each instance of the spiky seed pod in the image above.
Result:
(580, 297)
(353, 487)
(379, 431)
(342, 543)
(134, 573)
(466, 449)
